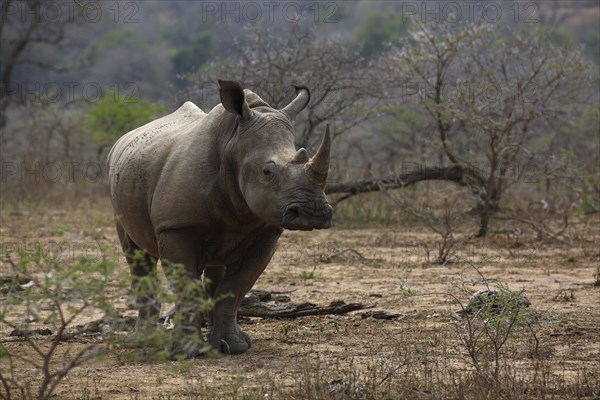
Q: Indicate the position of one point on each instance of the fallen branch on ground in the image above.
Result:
(252, 307)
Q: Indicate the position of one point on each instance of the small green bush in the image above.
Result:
(114, 115)
(55, 301)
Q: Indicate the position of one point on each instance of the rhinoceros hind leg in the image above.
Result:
(141, 265)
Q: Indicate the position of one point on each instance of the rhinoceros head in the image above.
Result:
(280, 184)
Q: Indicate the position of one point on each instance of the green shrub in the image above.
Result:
(45, 304)
(114, 115)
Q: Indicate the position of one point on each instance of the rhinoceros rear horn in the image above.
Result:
(300, 101)
(300, 157)
(319, 164)
(233, 99)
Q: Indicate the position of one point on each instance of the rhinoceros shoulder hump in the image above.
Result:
(189, 109)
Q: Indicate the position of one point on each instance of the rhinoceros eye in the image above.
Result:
(268, 168)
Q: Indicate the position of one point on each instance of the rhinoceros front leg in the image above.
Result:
(181, 247)
(213, 276)
(224, 332)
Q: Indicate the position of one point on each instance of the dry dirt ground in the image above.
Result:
(419, 354)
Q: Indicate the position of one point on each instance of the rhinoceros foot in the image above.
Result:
(230, 339)
(188, 347)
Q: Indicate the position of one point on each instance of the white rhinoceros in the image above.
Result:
(214, 192)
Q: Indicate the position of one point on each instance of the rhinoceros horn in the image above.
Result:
(318, 165)
(300, 101)
(300, 157)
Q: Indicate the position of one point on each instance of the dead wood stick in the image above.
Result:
(253, 307)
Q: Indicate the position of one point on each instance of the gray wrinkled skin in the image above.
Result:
(214, 191)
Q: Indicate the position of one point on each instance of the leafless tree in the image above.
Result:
(491, 95)
(32, 32)
(344, 91)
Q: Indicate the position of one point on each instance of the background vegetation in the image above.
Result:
(463, 125)
(512, 101)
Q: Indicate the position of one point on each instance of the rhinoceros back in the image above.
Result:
(135, 164)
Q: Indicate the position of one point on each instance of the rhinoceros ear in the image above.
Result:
(233, 99)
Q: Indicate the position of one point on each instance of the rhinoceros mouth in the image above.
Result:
(297, 217)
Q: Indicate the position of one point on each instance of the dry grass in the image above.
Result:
(420, 355)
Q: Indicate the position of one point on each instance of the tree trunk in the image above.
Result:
(490, 204)
(484, 222)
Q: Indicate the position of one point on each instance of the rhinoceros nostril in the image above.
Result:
(292, 212)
